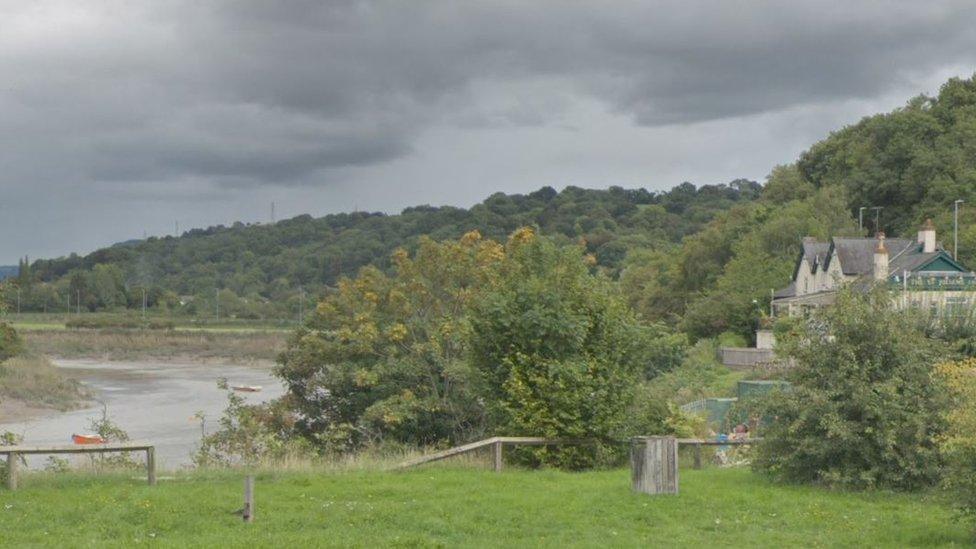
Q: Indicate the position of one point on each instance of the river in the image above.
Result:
(152, 401)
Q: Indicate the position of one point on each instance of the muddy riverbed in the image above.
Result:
(152, 401)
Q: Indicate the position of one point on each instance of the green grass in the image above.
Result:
(462, 507)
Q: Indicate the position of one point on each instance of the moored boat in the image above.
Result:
(246, 388)
(88, 439)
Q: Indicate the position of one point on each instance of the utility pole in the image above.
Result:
(177, 228)
(272, 213)
(78, 303)
(143, 304)
(955, 230)
(877, 218)
(217, 299)
(860, 218)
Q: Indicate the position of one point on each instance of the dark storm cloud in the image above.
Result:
(121, 117)
(248, 93)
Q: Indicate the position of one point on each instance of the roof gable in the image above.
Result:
(941, 262)
(814, 252)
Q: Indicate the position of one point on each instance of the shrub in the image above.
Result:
(248, 434)
(10, 343)
(556, 347)
(664, 352)
(865, 410)
(959, 441)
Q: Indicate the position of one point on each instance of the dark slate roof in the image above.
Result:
(815, 252)
(909, 261)
(788, 291)
(856, 255)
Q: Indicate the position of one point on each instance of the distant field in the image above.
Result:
(60, 321)
(444, 507)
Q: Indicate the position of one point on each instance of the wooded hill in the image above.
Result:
(267, 264)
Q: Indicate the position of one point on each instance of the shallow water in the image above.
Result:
(152, 401)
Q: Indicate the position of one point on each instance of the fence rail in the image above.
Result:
(497, 444)
(14, 454)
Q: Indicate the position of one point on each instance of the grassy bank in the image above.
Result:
(463, 507)
(156, 344)
(35, 381)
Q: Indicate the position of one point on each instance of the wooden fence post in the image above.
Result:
(496, 457)
(248, 513)
(151, 465)
(698, 463)
(654, 465)
(13, 461)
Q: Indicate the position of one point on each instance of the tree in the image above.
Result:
(558, 348)
(866, 410)
(762, 259)
(959, 441)
(384, 357)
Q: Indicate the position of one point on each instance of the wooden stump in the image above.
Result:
(496, 457)
(248, 512)
(13, 461)
(151, 465)
(654, 465)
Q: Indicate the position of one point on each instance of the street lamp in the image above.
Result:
(877, 218)
(955, 230)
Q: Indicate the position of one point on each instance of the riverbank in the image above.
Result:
(31, 386)
(168, 403)
(452, 507)
(178, 345)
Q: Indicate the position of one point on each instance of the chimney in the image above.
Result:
(880, 259)
(926, 236)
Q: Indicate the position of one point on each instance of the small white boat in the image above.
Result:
(246, 388)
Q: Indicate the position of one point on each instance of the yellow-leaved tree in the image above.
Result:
(959, 440)
(383, 358)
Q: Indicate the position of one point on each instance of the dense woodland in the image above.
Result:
(259, 269)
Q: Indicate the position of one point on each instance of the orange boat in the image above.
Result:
(88, 439)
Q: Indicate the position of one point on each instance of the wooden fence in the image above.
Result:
(14, 454)
(497, 445)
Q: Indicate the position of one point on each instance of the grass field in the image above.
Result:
(446, 507)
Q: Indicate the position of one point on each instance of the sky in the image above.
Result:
(120, 119)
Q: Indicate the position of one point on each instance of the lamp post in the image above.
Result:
(877, 218)
(955, 230)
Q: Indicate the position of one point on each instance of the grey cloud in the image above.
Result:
(197, 105)
(257, 92)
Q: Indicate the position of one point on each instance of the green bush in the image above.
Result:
(556, 347)
(10, 343)
(865, 410)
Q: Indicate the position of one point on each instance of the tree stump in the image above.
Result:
(654, 465)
